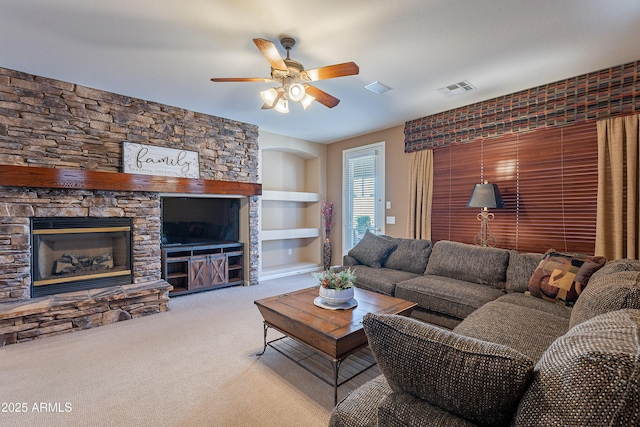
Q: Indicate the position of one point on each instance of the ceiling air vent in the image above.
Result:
(457, 88)
(378, 87)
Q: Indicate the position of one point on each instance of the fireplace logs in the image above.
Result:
(70, 264)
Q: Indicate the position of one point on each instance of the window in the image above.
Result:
(548, 180)
(363, 193)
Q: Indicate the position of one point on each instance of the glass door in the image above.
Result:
(363, 193)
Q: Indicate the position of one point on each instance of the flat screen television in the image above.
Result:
(200, 220)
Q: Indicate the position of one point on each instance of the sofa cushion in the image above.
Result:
(520, 270)
(476, 380)
(348, 261)
(381, 280)
(406, 410)
(372, 250)
(435, 318)
(409, 255)
(526, 300)
(612, 292)
(452, 297)
(617, 266)
(359, 408)
(540, 323)
(562, 277)
(589, 376)
(469, 263)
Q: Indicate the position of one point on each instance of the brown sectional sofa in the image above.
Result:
(448, 281)
(490, 353)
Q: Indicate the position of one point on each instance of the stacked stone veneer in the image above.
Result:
(593, 96)
(58, 314)
(18, 205)
(50, 123)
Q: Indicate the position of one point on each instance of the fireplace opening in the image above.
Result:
(72, 254)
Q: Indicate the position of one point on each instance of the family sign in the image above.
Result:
(153, 160)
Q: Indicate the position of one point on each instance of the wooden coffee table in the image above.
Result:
(334, 334)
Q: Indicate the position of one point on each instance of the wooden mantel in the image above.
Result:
(39, 177)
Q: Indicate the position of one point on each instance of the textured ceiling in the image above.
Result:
(167, 50)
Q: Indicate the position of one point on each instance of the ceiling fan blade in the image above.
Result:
(332, 71)
(322, 97)
(270, 52)
(242, 79)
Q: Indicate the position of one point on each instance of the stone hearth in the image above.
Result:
(53, 315)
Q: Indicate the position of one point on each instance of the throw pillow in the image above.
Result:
(616, 266)
(469, 263)
(588, 377)
(410, 255)
(520, 270)
(562, 277)
(372, 250)
(476, 380)
(612, 292)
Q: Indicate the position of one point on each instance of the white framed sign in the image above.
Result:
(153, 160)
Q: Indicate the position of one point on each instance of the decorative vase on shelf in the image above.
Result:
(327, 253)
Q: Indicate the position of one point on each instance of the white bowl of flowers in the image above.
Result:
(336, 287)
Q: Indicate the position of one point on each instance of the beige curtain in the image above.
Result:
(420, 195)
(618, 225)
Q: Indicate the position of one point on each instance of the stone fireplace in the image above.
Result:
(141, 210)
(24, 315)
(61, 157)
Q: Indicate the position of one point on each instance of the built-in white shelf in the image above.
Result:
(291, 221)
(290, 196)
(277, 271)
(291, 233)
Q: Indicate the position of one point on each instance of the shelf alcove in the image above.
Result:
(291, 233)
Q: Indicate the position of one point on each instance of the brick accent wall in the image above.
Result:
(605, 93)
(51, 123)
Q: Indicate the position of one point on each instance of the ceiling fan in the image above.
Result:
(294, 79)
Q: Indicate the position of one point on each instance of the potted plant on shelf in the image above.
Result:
(336, 287)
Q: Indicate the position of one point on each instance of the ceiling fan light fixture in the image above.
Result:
(282, 106)
(296, 92)
(307, 100)
(270, 97)
(293, 78)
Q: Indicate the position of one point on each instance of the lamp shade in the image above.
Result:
(296, 92)
(485, 196)
(282, 106)
(270, 97)
(307, 100)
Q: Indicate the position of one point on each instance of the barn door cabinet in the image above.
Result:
(192, 268)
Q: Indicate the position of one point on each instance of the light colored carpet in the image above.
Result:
(194, 365)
